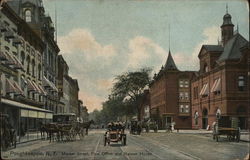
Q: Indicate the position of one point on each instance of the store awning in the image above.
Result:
(47, 83)
(42, 90)
(204, 90)
(37, 88)
(30, 86)
(3, 27)
(10, 59)
(19, 90)
(3, 56)
(10, 88)
(23, 106)
(18, 64)
(217, 86)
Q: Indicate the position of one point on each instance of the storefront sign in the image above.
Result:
(49, 115)
(41, 115)
(24, 113)
(33, 114)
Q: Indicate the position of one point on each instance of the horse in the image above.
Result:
(87, 125)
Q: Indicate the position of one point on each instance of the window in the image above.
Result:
(28, 15)
(22, 58)
(181, 96)
(186, 83)
(181, 108)
(39, 71)
(195, 92)
(33, 68)
(186, 96)
(241, 83)
(196, 115)
(187, 109)
(205, 67)
(181, 83)
(28, 65)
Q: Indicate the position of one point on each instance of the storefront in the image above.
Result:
(25, 119)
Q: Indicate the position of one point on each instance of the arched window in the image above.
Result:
(39, 71)
(33, 67)
(205, 67)
(28, 15)
(22, 57)
(28, 65)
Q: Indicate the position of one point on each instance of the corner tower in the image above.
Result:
(227, 28)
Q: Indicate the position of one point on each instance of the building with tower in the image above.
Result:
(170, 96)
(222, 83)
(22, 93)
(33, 13)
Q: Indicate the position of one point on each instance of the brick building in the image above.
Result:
(170, 96)
(222, 82)
(145, 106)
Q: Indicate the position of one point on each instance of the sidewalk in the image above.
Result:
(245, 135)
(24, 148)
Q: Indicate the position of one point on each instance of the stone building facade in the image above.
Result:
(33, 12)
(22, 92)
(170, 96)
(222, 83)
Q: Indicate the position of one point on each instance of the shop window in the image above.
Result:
(241, 83)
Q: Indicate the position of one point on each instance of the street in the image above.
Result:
(148, 146)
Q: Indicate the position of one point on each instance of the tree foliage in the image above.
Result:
(125, 96)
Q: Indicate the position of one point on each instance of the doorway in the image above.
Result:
(204, 118)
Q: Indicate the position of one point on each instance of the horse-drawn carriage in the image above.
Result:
(135, 127)
(227, 126)
(7, 133)
(149, 125)
(115, 134)
(65, 127)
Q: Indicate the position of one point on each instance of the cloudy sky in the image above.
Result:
(100, 39)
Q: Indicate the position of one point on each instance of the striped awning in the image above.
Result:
(31, 86)
(18, 89)
(204, 90)
(10, 88)
(3, 56)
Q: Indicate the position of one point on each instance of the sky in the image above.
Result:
(101, 39)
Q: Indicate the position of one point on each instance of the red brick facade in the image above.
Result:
(222, 82)
(170, 97)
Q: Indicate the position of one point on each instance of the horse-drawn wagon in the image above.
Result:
(227, 126)
(135, 127)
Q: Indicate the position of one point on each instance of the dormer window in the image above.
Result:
(205, 68)
(27, 15)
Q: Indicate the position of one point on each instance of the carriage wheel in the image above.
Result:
(217, 138)
(238, 136)
(105, 140)
(124, 140)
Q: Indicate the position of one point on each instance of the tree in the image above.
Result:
(131, 85)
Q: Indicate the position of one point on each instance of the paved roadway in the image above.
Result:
(152, 146)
